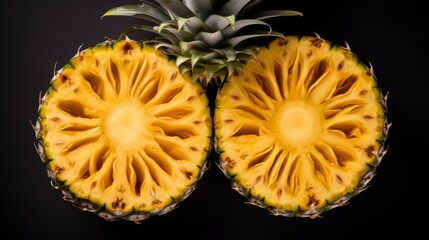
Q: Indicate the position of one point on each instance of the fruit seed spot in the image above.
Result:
(127, 48)
(363, 92)
(121, 189)
(118, 204)
(279, 192)
(317, 42)
(229, 121)
(236, 73)
(55, 119)
(368, 117)
(341, 65)
(188, 175)
(93, 184)
(190, 98)
(156, 202)
(231, 163)
(154, 65)
(284, 53)
(282, 42)
(59, 170)
(339, 179)
(194, 149)
(126, 62)
(173, 76)
(115, 203)
(235, 97)
(197, 122)
(370, 151)
(64, 78)
(312, 201)
(257, 179)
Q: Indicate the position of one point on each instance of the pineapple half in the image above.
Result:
(302, 128)
(122, 133)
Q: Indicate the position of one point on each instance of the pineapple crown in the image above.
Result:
(205, 37)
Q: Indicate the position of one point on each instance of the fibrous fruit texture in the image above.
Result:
(302, 128)
(122, 132)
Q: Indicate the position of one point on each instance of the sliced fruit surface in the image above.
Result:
(122, 129)
(301, 129)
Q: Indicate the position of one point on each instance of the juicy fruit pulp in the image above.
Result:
(122, 129)
(301, 129)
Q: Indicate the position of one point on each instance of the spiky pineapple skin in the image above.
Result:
(363, 183)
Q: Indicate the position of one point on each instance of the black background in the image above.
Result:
(37, 34)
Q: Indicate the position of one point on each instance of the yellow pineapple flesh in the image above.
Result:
(122, 132)
(301, 129)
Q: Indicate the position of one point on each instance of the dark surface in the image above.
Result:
(37, 34)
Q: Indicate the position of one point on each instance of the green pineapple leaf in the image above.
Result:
(146, 11)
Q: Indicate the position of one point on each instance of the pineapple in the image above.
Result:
(302, 128)
(122, 133)
(205, 37)
(125, 128)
